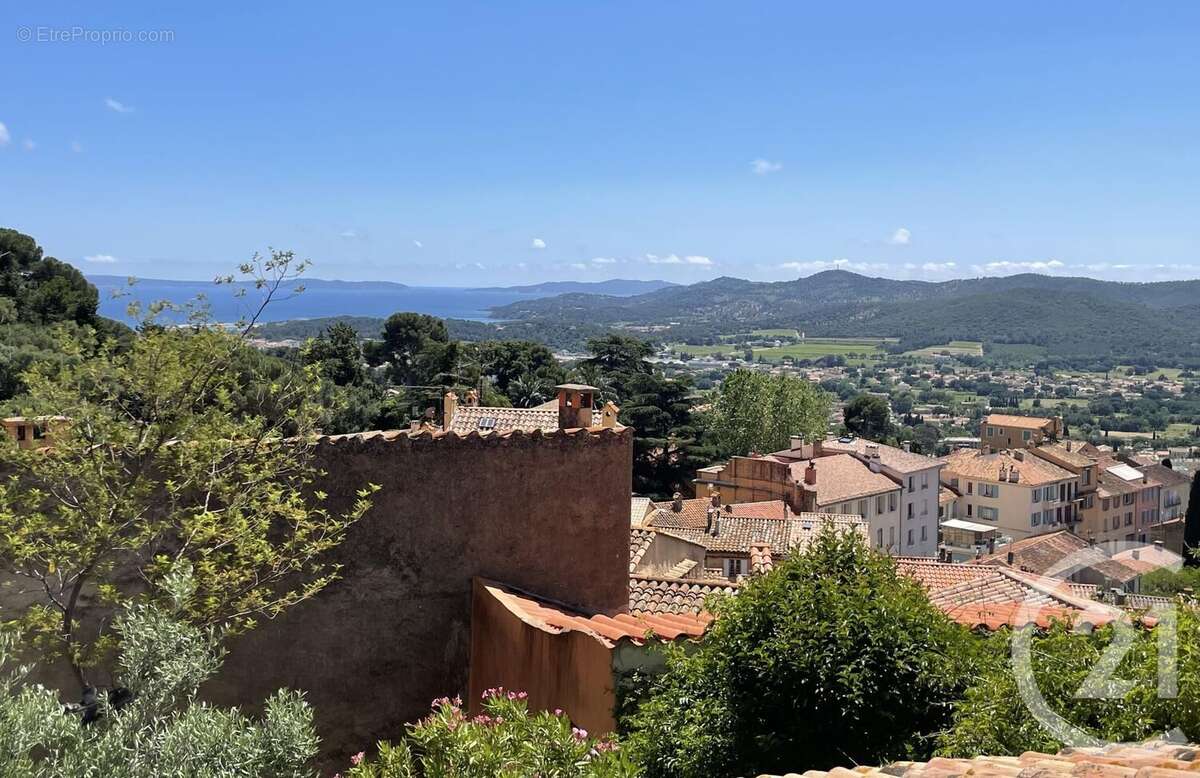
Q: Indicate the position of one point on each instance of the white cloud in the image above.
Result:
(939, 267)
(77, 147)
(348, 234)
(537, 243)
(1005, 266)
(418, 244)
(4, 136)
(816, 266)
(675, 259)
(762, 167)
(101, 259)
(28, 144)
(901, 237)
(117, 105)
(578, 266)
(603, 261)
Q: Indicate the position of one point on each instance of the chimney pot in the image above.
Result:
(1137, 553)
(1158, 545)
(810, 473)
(715, 499)
(907, 446)
(677, 502)
(797, 442)
(1010, 557)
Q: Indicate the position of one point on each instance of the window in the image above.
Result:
(879, 538)
(21, 432)
(1035, 518)
(910, 510)
(845, 507)
(910, 485)
(925, 508)
(1129, 519)
(924, 480)
(970, 487)
(1087, 476)
(991, 514)
(879, 504)
(991, 432)
(891, 501)
(924, 534)
(1105, 502)
(734, 568)
(891, 536)
(1048, 517)
(989, 490)
(1037, 495)
(910, 537)
(1026, 435)
(1116, 521)
(862, 508)
(954, 482)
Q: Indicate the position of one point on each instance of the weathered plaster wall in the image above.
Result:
(548, 514)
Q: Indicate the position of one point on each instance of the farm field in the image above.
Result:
(810, 348)
(1048, 405)
(955, 347)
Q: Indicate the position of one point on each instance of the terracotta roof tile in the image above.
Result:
(477, 418)
(640, 541)
(693, 512)
(661, 595)
(841, 478)
(556, 618)
(889, 456)
(974, 464)
(1020, 422)
(1153, 759)
(1054, 553)
(736, 534)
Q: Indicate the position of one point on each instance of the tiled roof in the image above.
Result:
(1166, 476)
(735, 534)
(477, 418)
(639, 543)
(1152, 759)
(1061, 552)
(1060, 451)
(683, 569)
(946, 495)
(889, 456)
(1148, 558)
(1020, 422)
(659, 595)
(841, 478)
(427, 433)
(974, 464)
(557, 619)
(639, 507)
(991, 597)
(694, 512)
(760, 559)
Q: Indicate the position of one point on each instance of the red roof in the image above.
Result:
(556, 618)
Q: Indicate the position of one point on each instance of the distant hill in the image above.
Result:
(618, 287)
(1079, 317)
(326, 298)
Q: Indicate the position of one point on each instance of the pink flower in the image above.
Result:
(357, 758)
(558, 711)
(579, 733)
(521, 695)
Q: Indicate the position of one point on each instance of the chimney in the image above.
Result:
(608, 415)
(1019, 455)
(715, 499)
(575, 406)
(797, 442)
(710, 520)
(1137, 554)
(810, 473)
(907, 446)
(472, 398)
(1014, 476)
(1158, 546)
(1068, 445)
(449, 406)
(1009, 557)
(677, 502)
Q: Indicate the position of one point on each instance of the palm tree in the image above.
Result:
(528, 390)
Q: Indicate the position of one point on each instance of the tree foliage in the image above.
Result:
(755, 411)
(993, 717)
(869, 416)
(178, 449)
(833, 658)
(152, 728)
(37, 289)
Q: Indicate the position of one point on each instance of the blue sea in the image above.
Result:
(319, 298)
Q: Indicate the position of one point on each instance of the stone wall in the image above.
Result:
(546, 513)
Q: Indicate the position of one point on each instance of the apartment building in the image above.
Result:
(1128, 505)
(1018, 493)
(919, 478)
(1000, 431)
(813, 478)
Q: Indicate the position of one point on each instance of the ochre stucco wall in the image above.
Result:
(547, 514)
(569, 670)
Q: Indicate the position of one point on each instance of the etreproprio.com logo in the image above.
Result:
(1102, 683)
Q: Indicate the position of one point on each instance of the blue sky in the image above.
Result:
(461, 143)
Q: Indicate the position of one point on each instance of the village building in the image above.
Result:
(1001, 430)
(1018, 493)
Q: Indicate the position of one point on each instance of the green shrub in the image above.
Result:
(831, 659)
(506, 739)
